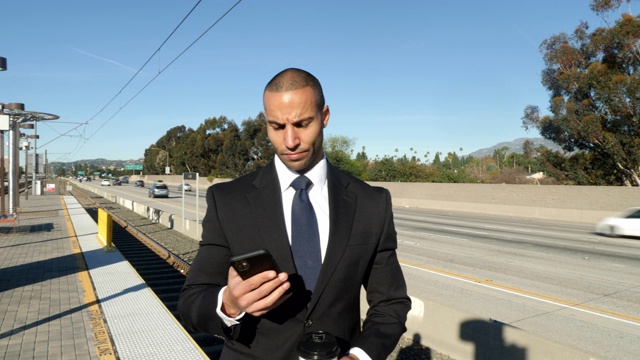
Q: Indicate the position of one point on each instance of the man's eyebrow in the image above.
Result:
(297, 121)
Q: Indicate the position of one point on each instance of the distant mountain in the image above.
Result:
(99, 163)
(515, 146)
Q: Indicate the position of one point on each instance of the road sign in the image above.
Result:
(133, 167)
(189, 176)
(80, 172)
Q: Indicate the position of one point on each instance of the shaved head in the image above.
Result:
(294, 79)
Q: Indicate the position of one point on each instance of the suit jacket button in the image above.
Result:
(308, 323)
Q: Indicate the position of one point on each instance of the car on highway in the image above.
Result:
(626, 223)
(117, 182)
(138, 183)
(186, 187)
(158, 190)
(124, 179)
(105, 182)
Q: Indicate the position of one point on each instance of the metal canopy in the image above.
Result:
(29, 116)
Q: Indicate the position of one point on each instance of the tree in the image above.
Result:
(255, 143)
(339, 143)
(436, 160)
(61, 171)
(500, 155)
(163, 152)
(183, 153)
(478, 168)
(362, 156)
(338, 150)
(594, 84)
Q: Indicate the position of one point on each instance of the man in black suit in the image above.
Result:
(265, 316)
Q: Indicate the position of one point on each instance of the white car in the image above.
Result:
(105, 182)
(187, 187)
(627, 223)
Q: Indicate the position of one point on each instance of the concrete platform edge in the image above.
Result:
(140, 325)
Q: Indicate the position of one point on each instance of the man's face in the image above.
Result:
(294, 126)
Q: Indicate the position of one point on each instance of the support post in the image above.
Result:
(14, 160)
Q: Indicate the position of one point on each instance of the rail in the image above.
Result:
(156, 247)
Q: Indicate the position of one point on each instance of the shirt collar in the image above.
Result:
(317, 174)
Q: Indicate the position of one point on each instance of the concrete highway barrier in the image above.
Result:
(581, 204)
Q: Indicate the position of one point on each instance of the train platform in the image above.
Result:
(62, 296)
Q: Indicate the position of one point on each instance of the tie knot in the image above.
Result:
(301, 183)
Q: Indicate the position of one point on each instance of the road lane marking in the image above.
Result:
(633, 320)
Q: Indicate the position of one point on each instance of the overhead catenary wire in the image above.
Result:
(146, 62)
(166, 67)
(85, 140)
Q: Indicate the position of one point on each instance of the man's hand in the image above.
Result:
(256, 295)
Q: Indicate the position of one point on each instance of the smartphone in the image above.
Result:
(255, 262)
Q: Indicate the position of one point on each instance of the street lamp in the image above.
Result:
(3, 64)
(167, 169)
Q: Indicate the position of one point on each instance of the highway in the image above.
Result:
(557, 280)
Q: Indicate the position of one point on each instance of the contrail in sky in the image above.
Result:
(104, 59)
(527, 37)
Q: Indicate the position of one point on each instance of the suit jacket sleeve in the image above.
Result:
(387, 296)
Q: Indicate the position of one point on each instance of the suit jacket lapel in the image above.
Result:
(342, 205)
(266, 201)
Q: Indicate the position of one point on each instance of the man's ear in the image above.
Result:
(325, 116)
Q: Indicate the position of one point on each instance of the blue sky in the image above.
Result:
(428, 75)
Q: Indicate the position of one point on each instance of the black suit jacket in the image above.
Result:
(246, 214)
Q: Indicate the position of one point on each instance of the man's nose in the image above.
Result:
(291, 139)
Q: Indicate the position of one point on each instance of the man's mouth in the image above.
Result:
(295, 156)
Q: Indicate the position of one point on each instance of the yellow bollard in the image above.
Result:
(105, 230)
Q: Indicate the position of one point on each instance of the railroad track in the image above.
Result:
(163, 271)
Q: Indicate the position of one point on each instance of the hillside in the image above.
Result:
(515, 146)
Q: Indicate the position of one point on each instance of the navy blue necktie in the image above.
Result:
(305, 239)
